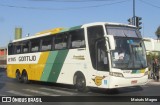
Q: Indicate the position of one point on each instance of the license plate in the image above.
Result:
(134, 82)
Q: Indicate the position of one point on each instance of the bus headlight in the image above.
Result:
(116, 74)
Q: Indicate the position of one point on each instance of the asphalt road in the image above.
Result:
(10, 87)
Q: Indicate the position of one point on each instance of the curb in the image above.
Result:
(151, 81)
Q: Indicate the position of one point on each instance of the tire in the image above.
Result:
(25, 77)
(18, 76)
(80, 83)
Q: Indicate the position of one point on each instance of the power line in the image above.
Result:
(68, 8)
(145, 2)
(74, 0)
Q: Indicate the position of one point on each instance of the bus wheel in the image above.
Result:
(18, 76)
(25, 77)
(80, 83)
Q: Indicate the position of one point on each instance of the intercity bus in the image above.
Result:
(100, 55)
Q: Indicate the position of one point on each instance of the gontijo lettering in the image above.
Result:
(27, 58)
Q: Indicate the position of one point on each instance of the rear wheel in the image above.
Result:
(25, 77)
(18, 76)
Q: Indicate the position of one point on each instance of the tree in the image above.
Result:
(158, 32)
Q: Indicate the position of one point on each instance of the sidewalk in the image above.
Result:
(152, 81)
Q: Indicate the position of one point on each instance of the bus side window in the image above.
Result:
(10, 49)
(46, 43)
(25, 47)
(18, 48)
(77, 39)
(61, 41)
(35, 45)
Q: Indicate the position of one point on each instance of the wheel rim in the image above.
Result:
(18, 76)
(80, 83)
(25, 78)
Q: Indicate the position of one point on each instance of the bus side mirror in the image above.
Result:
(111, 41)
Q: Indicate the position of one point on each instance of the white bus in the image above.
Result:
(102, 55)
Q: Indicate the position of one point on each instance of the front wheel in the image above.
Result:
(80, 83)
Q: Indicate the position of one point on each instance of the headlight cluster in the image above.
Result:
(116, 74)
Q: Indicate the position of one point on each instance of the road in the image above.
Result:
(10, 87)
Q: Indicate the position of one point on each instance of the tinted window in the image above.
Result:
(77, 38)
(10, 49)
(61, 41)
(94, 33)
(25, 47)
(35, 45)
(17, 49)
(47, 43)
(14, 48)
(102, 62)
(122, 31)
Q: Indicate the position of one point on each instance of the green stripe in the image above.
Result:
(65, 30)
(75, 28)
(54, 65)
(48, 66)
(71, 28)
(135, 71)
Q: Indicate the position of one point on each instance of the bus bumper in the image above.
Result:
(117, 82)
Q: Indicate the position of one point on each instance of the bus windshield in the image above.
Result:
(129, 52)
(123, 31)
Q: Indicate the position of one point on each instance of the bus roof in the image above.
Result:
(106, 23)
(49, 32)
(60, 30)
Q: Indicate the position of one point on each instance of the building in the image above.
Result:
(153, 50)
(3, 57)
(152, 46)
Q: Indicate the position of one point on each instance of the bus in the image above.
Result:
(100, 55)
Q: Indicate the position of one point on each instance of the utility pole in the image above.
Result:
(132, 19)
(135, 20)
(134, 13)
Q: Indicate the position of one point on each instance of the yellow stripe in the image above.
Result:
(142, 70)
(51, 31)
(41, 64)
(34, 70)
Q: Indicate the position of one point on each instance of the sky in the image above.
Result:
(37, 15)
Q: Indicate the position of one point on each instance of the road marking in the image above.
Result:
(58, 91)
(18, 93)
(40, 92)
